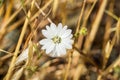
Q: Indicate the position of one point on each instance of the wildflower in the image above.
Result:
(57, 40)
(23, 56)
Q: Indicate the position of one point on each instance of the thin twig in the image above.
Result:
(95, 26)
(80, 39)
(43, 12)
(1, 50)
(112, 44)
(9, 10)
(107, 35)
(111, 14)
(117, 61)
(80, 17)
(68, 65)
(43, 8)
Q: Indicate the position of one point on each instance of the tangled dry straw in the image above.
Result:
(95, 54)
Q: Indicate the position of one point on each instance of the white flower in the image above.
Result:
(57, 40)
(23, 56)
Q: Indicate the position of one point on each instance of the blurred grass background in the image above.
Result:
(95, 56)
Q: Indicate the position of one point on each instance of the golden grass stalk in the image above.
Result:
(4, 26)
(43, 12)
(106, 43)
(11, 68)
(111, 14)
(117, 61)
(55, 7)
(80, 39)
(6, 56)
(81, 69)
(95, 26)
(2, 10)
(15, 25)
(41, 9)
(18, 74)
(9, 9)
(68, 65)
(78, 44)
(80, 18)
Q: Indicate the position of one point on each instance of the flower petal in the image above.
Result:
(51, 47)
(59, 29)
(60, 25)
(46, 34)
(65, 28)
(43, 41)
(58, 51)
(53, 53)
(67, 45)
(70, 36)
(62, 31)
(54, 29)
(62, 49)
(47, 27)
(47, 45)
(67, 33)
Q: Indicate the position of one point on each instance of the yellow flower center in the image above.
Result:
(56, 39)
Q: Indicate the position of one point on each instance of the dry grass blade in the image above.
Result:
(2, 10)
(5, 57)
(106, 44)
(81, 69)
(80, 39)
(3, 29)
(111, 14)
(18, 74)
(68, 66)
(42, 12)
(55, 7)
(80, 18)
(79, 24)
(95, 26)
(15, 25)
(42, 9)
(18, 45)
(116, 62)
(9, 10)
(59, 40)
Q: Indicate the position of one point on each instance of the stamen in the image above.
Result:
(56, 39)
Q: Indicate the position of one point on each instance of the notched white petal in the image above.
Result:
(51, 47)
(44, 32)
(58, 51)
(70, 36)
(67, 45)
(43, 41)
(53, 26)
(59, 29)
(62, 49)
(67, 33)
(46, 46)
(53, 53)
(60, 25)
(65, 27)
(47, 27)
